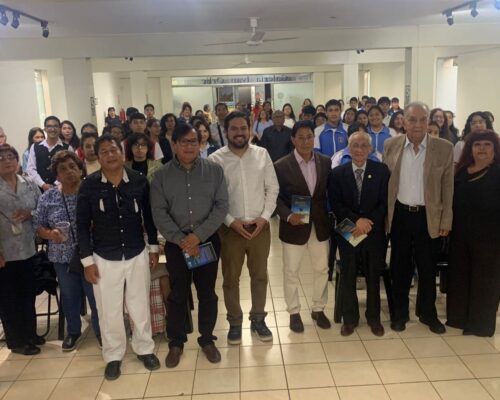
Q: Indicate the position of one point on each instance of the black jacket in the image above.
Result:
(113, 217)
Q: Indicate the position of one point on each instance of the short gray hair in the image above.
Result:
(417, 104)
(361, 134)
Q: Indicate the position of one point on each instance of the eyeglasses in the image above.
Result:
(185, 143)
(139, 146)
(8, 157)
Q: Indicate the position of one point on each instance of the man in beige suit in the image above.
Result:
(419, 212)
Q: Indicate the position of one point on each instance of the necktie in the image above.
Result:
(359, 182)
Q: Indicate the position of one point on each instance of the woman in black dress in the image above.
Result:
(474, 276)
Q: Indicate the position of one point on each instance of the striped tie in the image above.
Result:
(359, 182)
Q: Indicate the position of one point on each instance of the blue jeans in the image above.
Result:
(73, 286)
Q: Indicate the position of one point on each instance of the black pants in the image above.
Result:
(410, 238)
(368, 256)
(204, 278)
(17, 302)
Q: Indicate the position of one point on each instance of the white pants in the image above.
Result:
(292, 257)
(109, 299)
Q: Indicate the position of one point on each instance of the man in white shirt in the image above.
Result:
(420, 196)
(41, 154)
(217, 130)
(253, 190)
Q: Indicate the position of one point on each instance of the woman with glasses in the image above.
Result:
(139, 155)
(56, 222)
(18, 197)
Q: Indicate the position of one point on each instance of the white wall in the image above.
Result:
(18, 102)
(197, 96)
(478, 84)
(293, 93)
(446, 84)
(107, 92)
(386, 79)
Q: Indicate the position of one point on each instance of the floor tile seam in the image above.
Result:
(468, 368)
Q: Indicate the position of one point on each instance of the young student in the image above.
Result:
(334, 135)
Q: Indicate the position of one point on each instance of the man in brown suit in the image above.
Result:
(304, 173)
(419, 212)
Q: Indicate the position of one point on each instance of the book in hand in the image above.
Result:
(302, 205)
(206, 256)
(345, 229)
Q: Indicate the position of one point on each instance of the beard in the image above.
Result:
(238, 144)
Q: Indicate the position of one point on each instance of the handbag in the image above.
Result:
(75, 264)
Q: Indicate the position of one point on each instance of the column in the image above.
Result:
(409, 89)
(318, 88)
(138, 87)
(167, 95)
(350, 81)
(423, 75)
(79, 88)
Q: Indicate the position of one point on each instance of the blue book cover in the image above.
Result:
(206, 256)
(345, 229)
(302, 205)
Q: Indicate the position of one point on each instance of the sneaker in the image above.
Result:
(234, 334)
(262, 331)
(69, 342)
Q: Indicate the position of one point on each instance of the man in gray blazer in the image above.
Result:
(420, 200)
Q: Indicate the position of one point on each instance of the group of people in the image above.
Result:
(210, 191)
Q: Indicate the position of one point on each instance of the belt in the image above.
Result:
(412, 209)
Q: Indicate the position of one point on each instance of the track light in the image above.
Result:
(359, 51)
(45, 29)
(473, 10)
(4, 20)
(15, 20)
(449, 18)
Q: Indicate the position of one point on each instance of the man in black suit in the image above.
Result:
(358, 191)
(304, 173)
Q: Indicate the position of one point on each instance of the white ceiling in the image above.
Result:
(71, 18)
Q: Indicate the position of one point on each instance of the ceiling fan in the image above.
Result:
(256, 39)
(246, 61)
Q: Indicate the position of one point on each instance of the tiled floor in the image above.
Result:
(414, 364)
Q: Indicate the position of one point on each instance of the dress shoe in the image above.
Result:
(234, 334)
(212, 353)
(347, 329)
(112, 370)
(260, 328)
(173, 357)
(150, 361)
(296, 324)
(69, 342)
(377, 328)
(434, 325)
(28, 350)
(398, 326)
(321, 320)
(38, 340)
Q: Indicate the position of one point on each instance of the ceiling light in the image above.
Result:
(3, 18)
(449, 18)
(45, 29)
(15, 20)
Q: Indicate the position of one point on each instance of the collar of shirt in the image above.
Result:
(44, 143)
(179, 165)
(125, 177)
(338, 128)
(422, 145)
(300, 160)
(355, 167)
(382, 130)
